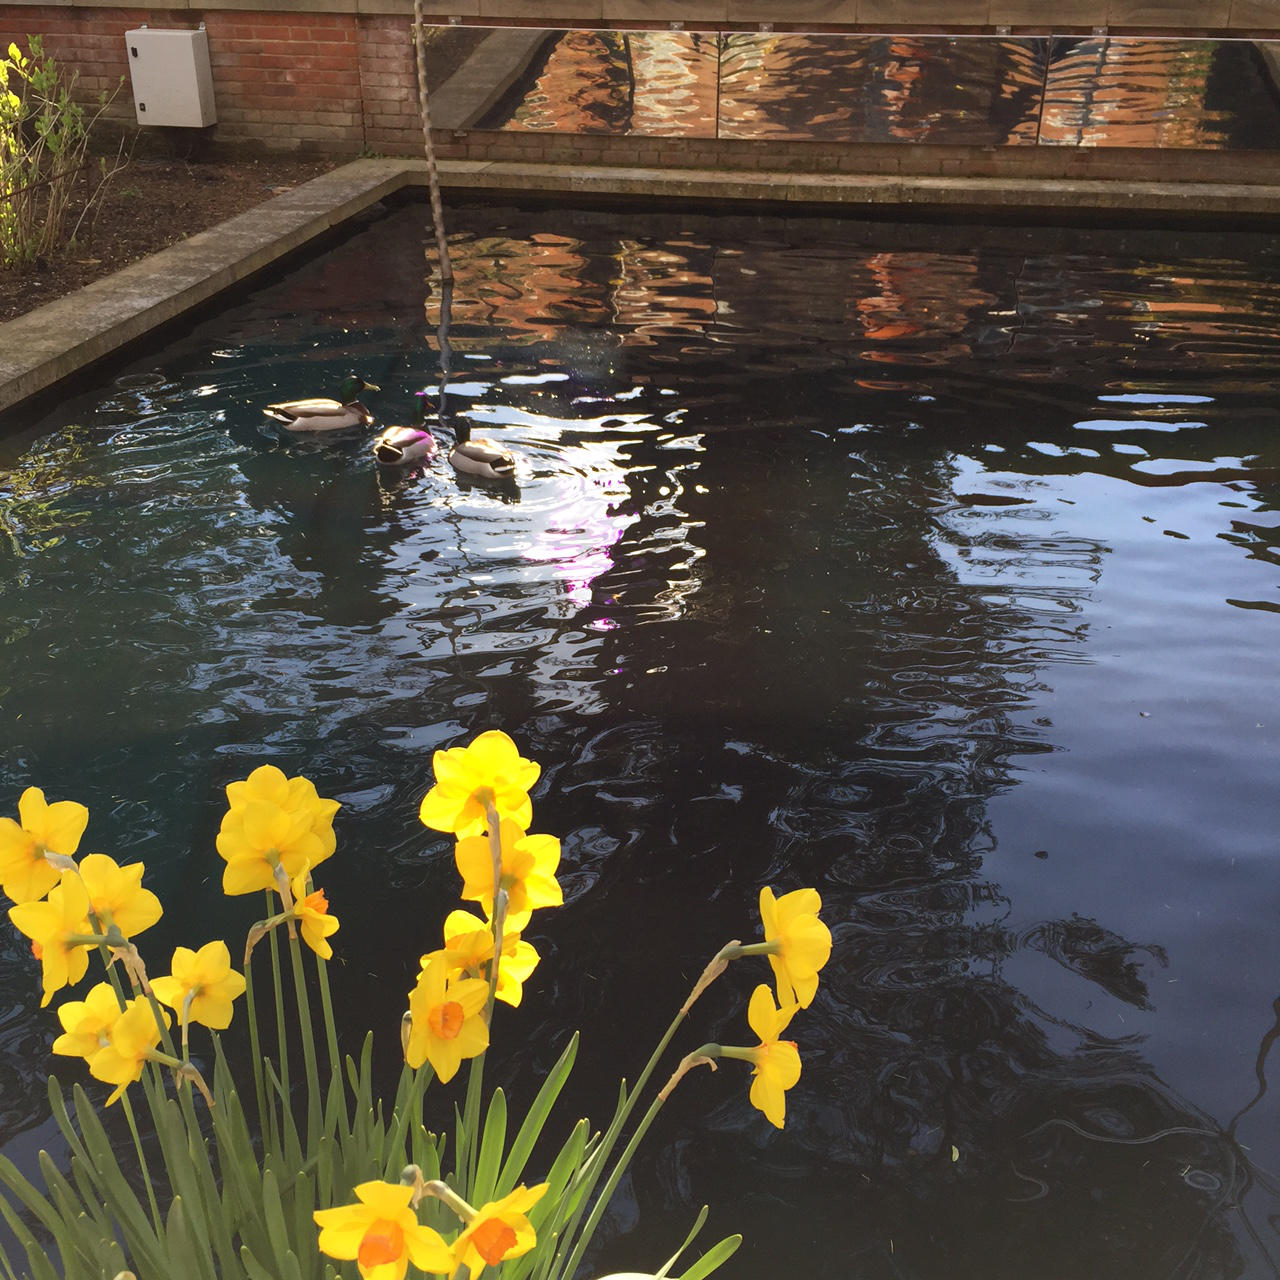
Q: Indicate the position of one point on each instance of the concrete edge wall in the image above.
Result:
(66, 337)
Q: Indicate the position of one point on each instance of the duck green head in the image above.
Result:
(351, 387)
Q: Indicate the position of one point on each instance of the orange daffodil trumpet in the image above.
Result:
(381, 1234)
(311, 911)
(499, 1230)
(447, 1019)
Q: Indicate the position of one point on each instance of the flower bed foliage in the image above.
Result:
(313, 1176)
(44, 155)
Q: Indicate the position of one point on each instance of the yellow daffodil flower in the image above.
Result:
(25, 874)
(490, 767)
(131, 1041)
(447, 1023)
(528, 871)
(311, 910)
(116, 895)
(499, 1231)
(776, 1062)
(799, 943)
(273, 820)
(87, 1023)
(382, 1234)
(51, 925)
(468, 949)
(207, 979)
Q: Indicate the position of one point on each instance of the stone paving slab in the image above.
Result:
(40, 349)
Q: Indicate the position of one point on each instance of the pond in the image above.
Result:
(935, 567)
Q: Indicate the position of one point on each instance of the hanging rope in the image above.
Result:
(433, 175)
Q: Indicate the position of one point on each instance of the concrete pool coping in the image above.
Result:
(64, 337)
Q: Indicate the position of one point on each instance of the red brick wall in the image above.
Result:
(336, 83)
(340, 83)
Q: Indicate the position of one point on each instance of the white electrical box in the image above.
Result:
(172, 82)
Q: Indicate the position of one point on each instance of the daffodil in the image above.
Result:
(207, 980)
(272, 821)
(87, 1023)
(116, 895)
(468, 950)
(528, 871)
(798, 943)
(382, 1234)
(311, 910)
(775, 1062)
(57, 927)
(447, 1023)
(490, 768)
(499, 1231)
(26, 874)
(132, 1040)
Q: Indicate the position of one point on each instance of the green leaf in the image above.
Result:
(688, 1240)
(277, 1228)
(535, 1119)
(492, 1142)
(42, 1267)
(714, 1258)
(187, 1255)
(141, 1240)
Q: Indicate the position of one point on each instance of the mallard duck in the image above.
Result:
(326, 415)
(480, 458)
(404, 446)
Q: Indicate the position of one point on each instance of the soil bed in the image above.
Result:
(150, 204)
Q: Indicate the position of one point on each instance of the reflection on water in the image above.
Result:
(634, 82)
(973, 91)
(936, 568)
(881, 89)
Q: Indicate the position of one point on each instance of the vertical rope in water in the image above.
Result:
(433, 175)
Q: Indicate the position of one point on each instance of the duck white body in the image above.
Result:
(480, 458)
(325, 414)
(404, 446)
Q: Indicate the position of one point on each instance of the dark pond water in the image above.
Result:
(936, 568)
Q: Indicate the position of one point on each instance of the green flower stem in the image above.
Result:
(412, 1107)
(603, 1199)
(331, 1033)
(596, 1164)
(281, 1040)
(255, 1053)
(142, 1161)
(307, 1028)
(736, 949)
(86, 940)
(467, 1160)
